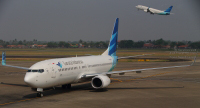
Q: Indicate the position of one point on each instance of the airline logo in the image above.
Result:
(59, 64)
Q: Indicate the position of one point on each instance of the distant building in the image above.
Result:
(183, 46)
(11, 46)
(41, 46)
(167, 46)
(148, 45)
(20, 46)
(38, 46)
(81, 45)
(34, 46)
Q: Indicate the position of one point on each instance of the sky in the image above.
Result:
(93, 20)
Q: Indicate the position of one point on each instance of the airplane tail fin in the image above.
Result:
(169, 9)
(3, 58)
(112, 48)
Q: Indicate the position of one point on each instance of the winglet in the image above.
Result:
(3, 58)
(194, 60)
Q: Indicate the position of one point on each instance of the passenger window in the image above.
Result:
(29, 71)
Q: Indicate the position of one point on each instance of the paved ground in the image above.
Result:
(167, 88)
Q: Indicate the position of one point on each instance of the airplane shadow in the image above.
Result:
(106, 89)
(21, 85)
(59, 90)
(147, 88)
(87, 86)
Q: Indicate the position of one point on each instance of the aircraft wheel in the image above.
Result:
(64, 86)
(69, 86)
(39, 94)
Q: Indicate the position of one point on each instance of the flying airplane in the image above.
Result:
(154, 11)
(67, 71)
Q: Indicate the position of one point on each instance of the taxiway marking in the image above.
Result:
(17, 101)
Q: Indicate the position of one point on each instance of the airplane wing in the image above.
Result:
(4, 63)
(134, 70)
(132, 56)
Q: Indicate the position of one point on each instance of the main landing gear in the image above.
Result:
(68, 86)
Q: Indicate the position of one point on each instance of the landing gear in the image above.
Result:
(39, 94)
(68, 86)
(39, 90)
(64, 86)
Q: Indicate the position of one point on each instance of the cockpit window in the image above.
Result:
(29, 71)
(34, 70)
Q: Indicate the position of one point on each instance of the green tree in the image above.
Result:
(20, 42)
(159, 42)
(52, 44)
(139, 44)
(5, 44)
(67, 45)
(85, 44)
(61, 44)
(180, 43)
(172, 44)
(80, 41)
(195, 45)
(126, 44)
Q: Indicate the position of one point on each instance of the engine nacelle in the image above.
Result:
(100, 81)
(145, 10)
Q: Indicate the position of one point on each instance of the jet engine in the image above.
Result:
(100, 81)
(145, 10)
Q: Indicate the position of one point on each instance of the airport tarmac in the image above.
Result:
(166, 88)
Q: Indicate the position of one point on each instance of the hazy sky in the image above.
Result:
(93, 20)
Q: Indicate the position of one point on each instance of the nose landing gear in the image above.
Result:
(39, 94)
(39, 90)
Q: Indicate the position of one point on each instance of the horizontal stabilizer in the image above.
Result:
(4, 62)
(133, 56)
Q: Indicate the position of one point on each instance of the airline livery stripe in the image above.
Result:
(114, 38)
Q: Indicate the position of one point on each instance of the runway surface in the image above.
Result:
(166, 88)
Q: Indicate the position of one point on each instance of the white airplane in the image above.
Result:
(154, 11)
(67, 71)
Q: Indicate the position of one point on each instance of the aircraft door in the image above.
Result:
(88, 69)
(53, 72)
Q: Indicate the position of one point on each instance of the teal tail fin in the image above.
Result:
(112, 48)
(3, 58)
(169, 9)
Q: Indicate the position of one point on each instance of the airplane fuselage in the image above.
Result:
(152, 10)
(53, 72)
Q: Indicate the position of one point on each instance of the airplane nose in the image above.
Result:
(29, 79)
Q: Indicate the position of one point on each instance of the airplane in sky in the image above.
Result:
(154, 11)
(67, 71)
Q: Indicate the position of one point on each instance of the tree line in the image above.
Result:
(102, 44)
